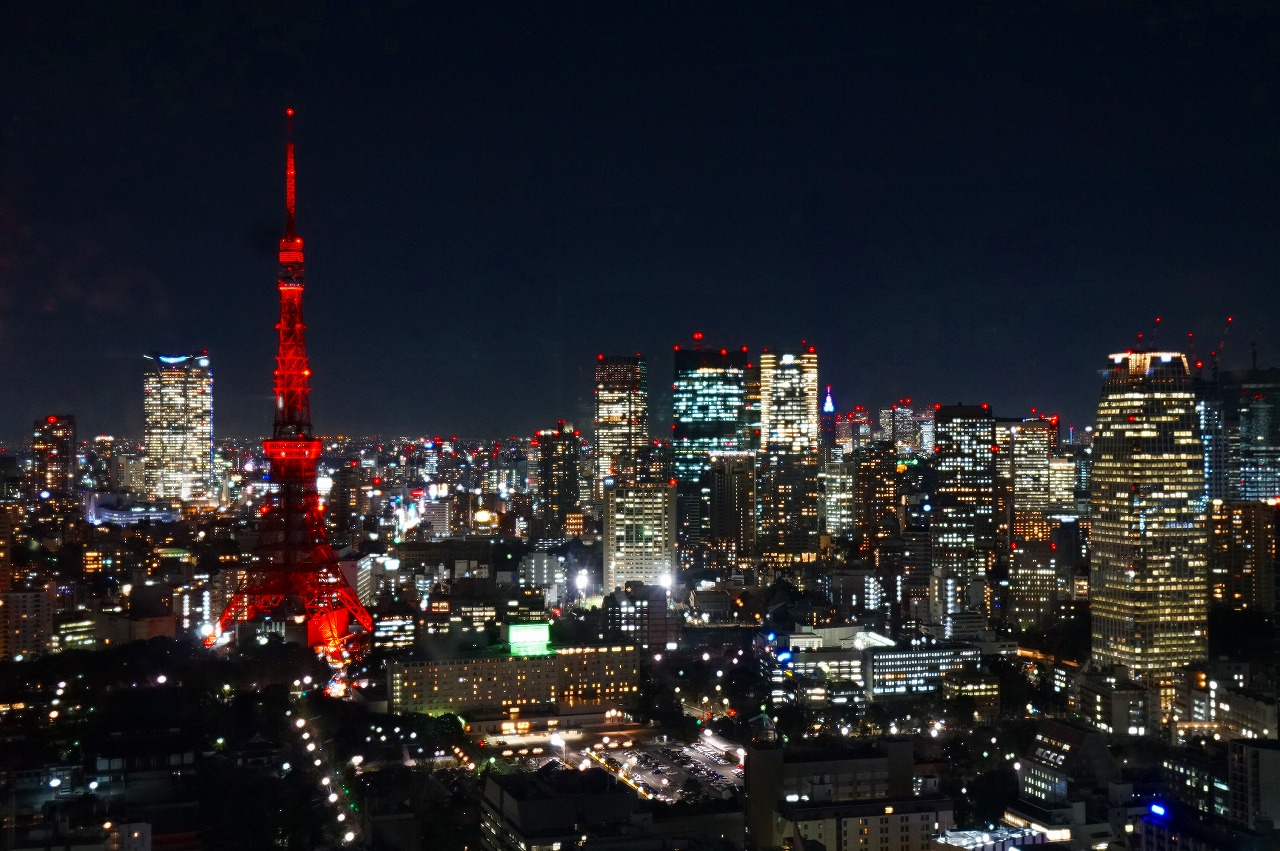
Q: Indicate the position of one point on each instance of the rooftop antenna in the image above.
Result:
(290, 178)
(1213, 355)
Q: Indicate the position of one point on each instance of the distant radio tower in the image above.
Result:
(296, 578)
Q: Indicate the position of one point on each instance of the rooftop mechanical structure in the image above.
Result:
(296, 578)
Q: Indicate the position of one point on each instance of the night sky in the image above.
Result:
(953, 204)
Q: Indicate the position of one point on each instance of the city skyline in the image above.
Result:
(958, 209)
(743, 427)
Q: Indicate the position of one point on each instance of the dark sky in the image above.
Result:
(954, 204)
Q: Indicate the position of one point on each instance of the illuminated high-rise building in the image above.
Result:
(787, 489)
(1062, 483)
(836, 479)
(107, 452)
(1149, 578)
(925, 425)
(714, 409)
(875, 493)
(1034, 584)
(559, 488)
(1214, 410)
(1034, 442)
(53, 456)
(898, 425)
(1255, 417)
(732, 514)
(621, 418)
(861, 428)
(963, 526)
(1242, 554)
(1003, 452)
(6, 553)
(177, 410)
(639, 533)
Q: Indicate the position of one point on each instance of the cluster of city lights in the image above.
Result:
(330, 781)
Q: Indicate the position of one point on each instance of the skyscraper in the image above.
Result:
(732, 513)
(1242, 554)
(787, 489)
(53, 456)
(875, 493)
(714, 410)
(1034, 443)
(963, 528)
(177, 410)
(558, 481)
(1149, 578)
(622, 416)
(1256, 393)
(836, 479)
(898, 424)
(639, 533)
(106, 462)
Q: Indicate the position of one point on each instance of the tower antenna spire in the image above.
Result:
(290, 179)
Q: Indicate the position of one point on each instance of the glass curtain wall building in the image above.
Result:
(715, 409)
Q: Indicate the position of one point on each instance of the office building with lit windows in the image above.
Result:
(1034, 443)
(1242, 540)
(621, 417)
(26, 614)
(177, 411)
(836, 484)
(732, 509)
(963, 527)
(1149, 581)
(899, 426)
(558, 451)
(532, 674)
(1062, 484)
(1035, 588)
(875, 493)
(1254, 419)
(639, 533)
(53, 456)
(787, 486)
(715, 409)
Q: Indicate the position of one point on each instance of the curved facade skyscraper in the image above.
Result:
(1149, 583)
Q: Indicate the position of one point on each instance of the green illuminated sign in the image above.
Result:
(529, 639)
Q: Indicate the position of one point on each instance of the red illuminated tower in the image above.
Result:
(296, 576)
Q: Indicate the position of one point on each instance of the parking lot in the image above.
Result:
(667, 770)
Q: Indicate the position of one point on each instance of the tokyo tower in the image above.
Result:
(295, 577)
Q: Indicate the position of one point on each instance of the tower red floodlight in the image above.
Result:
(296, 575)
